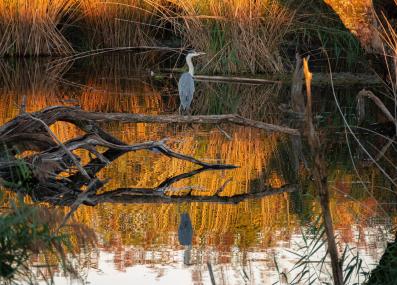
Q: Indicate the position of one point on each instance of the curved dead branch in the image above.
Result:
(92, 140)
(133, 196)
(366, 93)
(39, 173)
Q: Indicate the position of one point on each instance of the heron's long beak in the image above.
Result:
(201, 53)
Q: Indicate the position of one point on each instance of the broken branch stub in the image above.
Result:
(368, 94)
(319, 172)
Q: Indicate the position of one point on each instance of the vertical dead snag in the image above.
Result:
(297, 99)
(319, 172)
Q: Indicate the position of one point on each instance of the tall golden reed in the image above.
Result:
(32, 27)
(37, 27)
(119, 23)
(237, 35)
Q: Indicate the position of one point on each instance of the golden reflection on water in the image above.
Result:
(251, 225)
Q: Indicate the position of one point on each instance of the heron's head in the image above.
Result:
(194, 53)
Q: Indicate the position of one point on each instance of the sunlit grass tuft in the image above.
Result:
(32, 27)
(119, 23)
(238, 36)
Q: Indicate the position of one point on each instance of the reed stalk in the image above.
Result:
(34, 27)
(119, 23)
(238, 36)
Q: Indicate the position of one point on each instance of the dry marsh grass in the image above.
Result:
(119, 23)
(388, 35)
(33, 27)
(38, 27)
(238, 36)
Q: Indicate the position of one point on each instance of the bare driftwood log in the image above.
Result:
(84, 120)
(38, 174)
(110, 197)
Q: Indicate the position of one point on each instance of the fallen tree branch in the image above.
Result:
(83, 198)
(163, 193)
(91, 140)
(379, 103)
(64, 148)
(44, 182)
(133, 198)
(85, 119)
(160, 189)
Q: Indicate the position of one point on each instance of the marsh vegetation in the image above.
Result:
(283, 173)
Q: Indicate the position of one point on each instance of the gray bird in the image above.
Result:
(186, 84)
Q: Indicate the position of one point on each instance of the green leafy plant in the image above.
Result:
(27, 231)
(311, 266)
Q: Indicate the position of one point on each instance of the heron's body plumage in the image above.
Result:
(186, 91)
(186, 84)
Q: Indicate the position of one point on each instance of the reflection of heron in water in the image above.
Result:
(186, 84)
(185, 236)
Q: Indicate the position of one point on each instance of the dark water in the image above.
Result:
(177, 243)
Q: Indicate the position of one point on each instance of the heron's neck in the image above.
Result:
(190, 64)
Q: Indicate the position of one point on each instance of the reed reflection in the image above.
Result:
(134, 232)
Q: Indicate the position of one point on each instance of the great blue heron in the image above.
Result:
(186, 84)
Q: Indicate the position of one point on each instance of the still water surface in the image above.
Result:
(142, 243)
